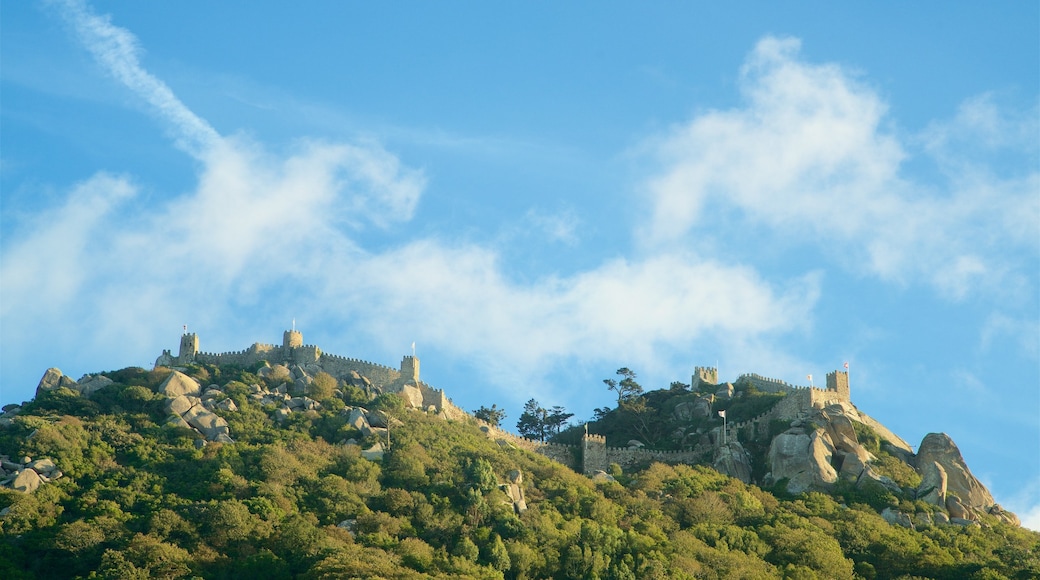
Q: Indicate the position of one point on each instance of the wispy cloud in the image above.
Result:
(118, 52)
(262, 230)
(811, 156)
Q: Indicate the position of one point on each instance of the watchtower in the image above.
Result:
(292, 339)
(594, 454)
(189, 347)
(838, 382)
(702, 375)
(410, 369)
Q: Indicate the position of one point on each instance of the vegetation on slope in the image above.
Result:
(141, 500)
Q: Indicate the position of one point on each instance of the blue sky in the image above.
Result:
(539, 194)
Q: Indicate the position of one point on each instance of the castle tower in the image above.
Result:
(594, 454)
(838, 381)
(704, 375)
(292, 339)
(189, 347)
(410, 369)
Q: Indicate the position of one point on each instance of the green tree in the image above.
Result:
(556, 419)
(492, 416)
(533, 422)
(390, 406)
(627, 388)
(323, 387)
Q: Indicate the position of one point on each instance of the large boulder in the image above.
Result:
(178, 384)
(412, 396)
(53, 379)
(91, 383)
(181, 404)
(207, 422)
(356, 418)
(939, 448)
(725, 391)
(957, 509)
(804, 460)
(26, 481)
(373, 453)
(897, 518)
(733, 460)
(852, 466)
(934, 484)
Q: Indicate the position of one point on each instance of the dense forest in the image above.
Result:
(294, 497)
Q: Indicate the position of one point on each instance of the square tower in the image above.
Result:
(410, 369)
(704, 375)
(838, 381)
(189, 347)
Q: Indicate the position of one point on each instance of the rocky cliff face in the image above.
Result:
(822, 447)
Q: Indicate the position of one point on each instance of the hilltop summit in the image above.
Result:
(297, 462)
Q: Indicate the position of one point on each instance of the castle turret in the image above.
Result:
(838, 382)
(410, 369)
(594, 454)
(292, 339)
(704, 375)
(189, 347)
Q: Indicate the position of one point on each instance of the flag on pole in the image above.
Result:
(185, 329)
(846, 365)
(722, 413)
(809, 377)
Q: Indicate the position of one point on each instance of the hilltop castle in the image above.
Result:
(312, 359)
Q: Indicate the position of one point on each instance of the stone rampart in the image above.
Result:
(243, 358)
(339, 366)
(765, 384)
(629, 457)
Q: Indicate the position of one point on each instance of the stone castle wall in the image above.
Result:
(765, 384)
(338, 366)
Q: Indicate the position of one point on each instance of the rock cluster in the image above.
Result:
(9, 413)
(514, 492)
(53, 379)
(27, 475)
(821, 447)
(733, 460)
(189, 407)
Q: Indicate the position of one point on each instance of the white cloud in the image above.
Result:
(263, 228)
(118, 52)
(809, 155)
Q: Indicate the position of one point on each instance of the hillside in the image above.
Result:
(287, 471)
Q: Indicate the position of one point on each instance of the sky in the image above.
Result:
(538, 194)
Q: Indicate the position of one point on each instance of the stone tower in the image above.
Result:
(838, 381)
(292, 339)
(189, 347)
(704, 375)
(410, 369)
(594, 454)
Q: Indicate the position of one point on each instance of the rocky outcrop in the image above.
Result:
(803, 459)
(934, 484)
(939, 449)
(698, 407)
(187, 409)
(89, 384)
(178, 384)
(53, 379)
(27, 475)
(373, 453)
(897, 518)
(514, 492)
(412, 396)
(733, 460)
